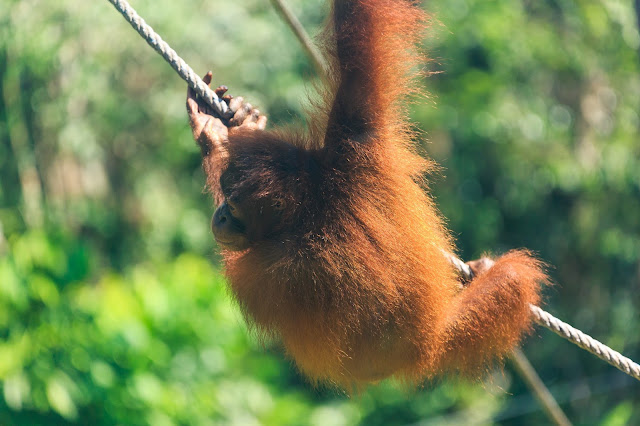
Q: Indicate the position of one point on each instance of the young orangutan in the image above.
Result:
(331, 242)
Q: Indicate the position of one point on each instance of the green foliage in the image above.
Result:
(113, 309)
(155, 344)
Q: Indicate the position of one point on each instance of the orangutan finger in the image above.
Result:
(236, 103)
(262, 122)
(221, 90)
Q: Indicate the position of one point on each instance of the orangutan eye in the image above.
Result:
(232, 207)
(278, 204)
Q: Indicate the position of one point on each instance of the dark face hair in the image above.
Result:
(242, 219)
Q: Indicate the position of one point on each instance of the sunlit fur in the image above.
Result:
(353, 281)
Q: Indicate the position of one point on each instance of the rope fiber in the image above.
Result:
(586, 342)
(170, 55)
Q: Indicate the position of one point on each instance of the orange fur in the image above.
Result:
(354, 281)
(488, 317)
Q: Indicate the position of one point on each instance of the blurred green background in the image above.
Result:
(113, 309)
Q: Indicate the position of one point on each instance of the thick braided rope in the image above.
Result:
(586, 342)
(170, 55)
(570, 333)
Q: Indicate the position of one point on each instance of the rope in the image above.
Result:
(570, 333)
(170, 55)
(540, 391)
(302, 36)
(586, 342)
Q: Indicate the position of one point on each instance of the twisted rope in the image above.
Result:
(170, 55)
(570, 333)
(586, 342)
